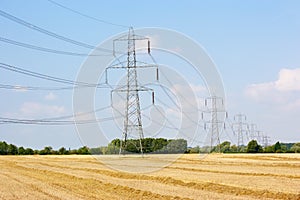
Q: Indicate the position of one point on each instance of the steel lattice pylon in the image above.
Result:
(132, 117)
(241, 128)
(215, 108)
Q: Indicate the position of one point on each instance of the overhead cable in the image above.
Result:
(87, 16)
(52, 34)
(30, 46)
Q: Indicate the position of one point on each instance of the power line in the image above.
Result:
(172, 125)
(36, 88)
(61, 120)
(29, 46)
(164, 90)
(87, 16)
(22, 87)
(34, 74)
(47, 77)
(176, 105)
(52, 34)
(52, 122)
(77, 114)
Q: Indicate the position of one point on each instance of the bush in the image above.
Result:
(253, 147)
(296, 148)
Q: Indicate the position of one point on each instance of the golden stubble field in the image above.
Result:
(215, 176)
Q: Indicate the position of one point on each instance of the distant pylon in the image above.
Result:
(253, 132)
(132, 117)
(215, 106)
(240, 128)
(260, 136)
(265, 140)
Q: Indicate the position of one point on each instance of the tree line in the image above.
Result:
(251, 147)
(11, 149)
(149, 145)
(153, 145)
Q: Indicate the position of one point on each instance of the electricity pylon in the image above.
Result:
(132, 117)
(265, 140)
(241, 128)
(260, 136)
(215, 107)
(254, 132)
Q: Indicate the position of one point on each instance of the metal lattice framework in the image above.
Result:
(254, 133)
(215, 108)
(132, 117)
(241, 128)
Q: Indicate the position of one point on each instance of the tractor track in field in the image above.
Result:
(71, 177)
(83, 188)
(206, 186)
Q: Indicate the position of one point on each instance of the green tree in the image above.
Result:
(12, 149)
(46, 151)
(277, 147)
(104, 150)
(96, 151)
(296, 147)
(159, 145)
(21, 151)
(194, 149)
(253, 147)
(28, 151)
(62, 151)
(224, 147)
(36, 152)
(3, 148)
(132, 146)
(116, 142)
(234, 148)
(242, 149)
(177, 146)
(284, 148)
(73, 151)
(112, 149)
(148, 145)
(269, 149)
(205, 149)
(83, 150)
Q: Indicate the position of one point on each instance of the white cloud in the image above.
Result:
(263, 92)
(289, 80)
(190, 99)
(38, 109)
(50, 97)
(192, 96)
(82, 116)
(283, 92)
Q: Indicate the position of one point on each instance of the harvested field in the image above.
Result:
(215, 176)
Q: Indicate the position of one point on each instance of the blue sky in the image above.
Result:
(255, 45)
